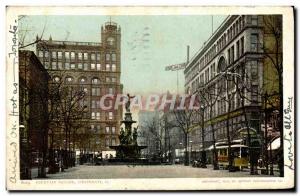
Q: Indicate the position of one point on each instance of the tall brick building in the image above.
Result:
(96, 68)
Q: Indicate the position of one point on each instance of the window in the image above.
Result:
(206, 75)
(82, 80)
(113, 57)
(69, 79)
(254, 93)
(93, 127)
(98, 66)
(254, 71)
(107, 79)
(93, 56)
(46, 65)
(46, 54)
(54, 65)
(113, 67)
(113, 141)
(110, 115)
(98, 115)
(53, 54)
(232, 53)
(98, 57)
(93, 104)
(98, 104)
(56, 79)
(59, 55)
(41, 54)
(59, 64)
(113, 130)
(254, 20)
(242, 45)
(98, 127)
(107, 67)
(93, 66)
(110, 41)
(79, 56)
(202, 79)
(72, 55)
(237, 49)
(212, 70)
(79, 66)
(93, 116)
(85, 56)
(107, 57)
(85, 66)
(67, 65)
(106, 142)
(110, 91)
(67, 55)
(95, 81)
(254, 42)
(95, 91)
(229, 55)
(234, 30)
(73, 66)
(107, 130)
(113, 79)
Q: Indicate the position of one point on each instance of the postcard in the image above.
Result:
(150, 98)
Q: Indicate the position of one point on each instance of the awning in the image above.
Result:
(275, 144)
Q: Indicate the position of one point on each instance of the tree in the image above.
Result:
(185, 119)
(272, 50)
(152, 125)
(208, 97)
(66, 112)
(23, 32)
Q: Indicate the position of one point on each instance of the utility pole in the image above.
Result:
(266, 136)
(177, 67)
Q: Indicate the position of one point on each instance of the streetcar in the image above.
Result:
(239, 151)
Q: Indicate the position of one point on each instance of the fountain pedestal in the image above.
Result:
(128, 151)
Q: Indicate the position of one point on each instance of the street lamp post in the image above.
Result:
(26, 159)
(203, 153)
(51, 154)
(181, 147)
(191, 150)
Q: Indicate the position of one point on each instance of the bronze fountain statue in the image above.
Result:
(128, 150)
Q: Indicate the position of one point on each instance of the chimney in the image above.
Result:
(188, 54)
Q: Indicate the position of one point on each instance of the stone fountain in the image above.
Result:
(128, 151)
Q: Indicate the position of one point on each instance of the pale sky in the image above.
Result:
(142, 62)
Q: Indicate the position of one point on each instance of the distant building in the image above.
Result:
(240, 45)
(149, 133)
(173, 136)
(33, 89)
(96, 68)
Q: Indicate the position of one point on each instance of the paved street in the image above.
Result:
(155, 171)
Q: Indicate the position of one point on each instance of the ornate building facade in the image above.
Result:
(95, 67)
(238, 54)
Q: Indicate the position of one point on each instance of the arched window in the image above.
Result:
(56, 79)
(69, 79)
(113, 57)
(82, 80)
(95, 81)
(221, 65)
